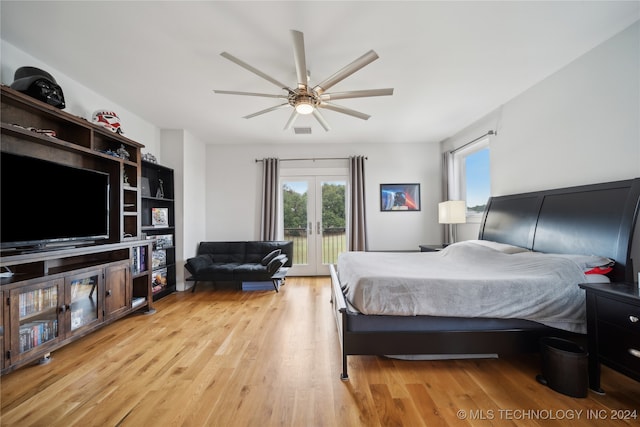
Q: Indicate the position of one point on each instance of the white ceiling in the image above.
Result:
(450, 62)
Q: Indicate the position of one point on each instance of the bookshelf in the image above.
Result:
(158, 223)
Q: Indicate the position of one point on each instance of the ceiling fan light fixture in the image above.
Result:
(307, 99)
(304, 105)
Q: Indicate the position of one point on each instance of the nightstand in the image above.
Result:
(613, 329)
(432, 248)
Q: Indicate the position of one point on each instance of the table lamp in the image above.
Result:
(452, 212)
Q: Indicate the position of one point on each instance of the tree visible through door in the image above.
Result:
(314, 217)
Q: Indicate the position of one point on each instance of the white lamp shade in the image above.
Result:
(452, 212)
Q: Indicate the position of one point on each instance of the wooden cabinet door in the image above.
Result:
(117, 289)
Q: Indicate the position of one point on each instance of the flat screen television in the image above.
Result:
(45, 204)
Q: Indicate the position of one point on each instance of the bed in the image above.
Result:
(581, 226)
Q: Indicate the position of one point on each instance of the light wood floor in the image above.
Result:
(232, 358)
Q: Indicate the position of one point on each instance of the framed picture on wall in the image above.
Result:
(399, 197)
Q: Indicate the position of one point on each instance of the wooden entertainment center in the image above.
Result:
(54, 295)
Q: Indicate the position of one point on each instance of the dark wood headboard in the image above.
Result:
(597, 219)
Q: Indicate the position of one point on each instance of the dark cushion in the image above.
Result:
(224, 251)
(218, 271)
(271, 255)
(194, 265)
(251, 272)
(256, 250)
(275, 264)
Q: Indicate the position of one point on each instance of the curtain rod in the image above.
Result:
(490, 132)
(313, 158)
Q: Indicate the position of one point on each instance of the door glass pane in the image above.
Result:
(84, 301)
(38, 317)
(334, 238)
(296, 218)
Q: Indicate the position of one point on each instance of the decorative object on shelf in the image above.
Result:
(123, 153)
(399, 197)
(162, 241)
(46, 132)
(159, 280)
(148, 157)
(38, 84)
(146, 190)
(110, 152)
(125, 178)
(108, 120)
(120, 153)
(452, 212)
(160, 192)
(160, 217)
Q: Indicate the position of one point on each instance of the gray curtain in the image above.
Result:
(447, 159)
(269, 214)
(357, 213)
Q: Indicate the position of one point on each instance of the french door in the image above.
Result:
(314, 217)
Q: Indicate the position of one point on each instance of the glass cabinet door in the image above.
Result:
(35, 310)
(84, 292)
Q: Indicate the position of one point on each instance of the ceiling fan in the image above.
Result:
(306, 99)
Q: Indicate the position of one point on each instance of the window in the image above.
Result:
(470, 178)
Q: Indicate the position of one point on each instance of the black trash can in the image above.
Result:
(565, 366)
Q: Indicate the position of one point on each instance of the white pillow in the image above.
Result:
(500, 247)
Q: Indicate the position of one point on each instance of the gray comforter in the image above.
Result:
(467, 279)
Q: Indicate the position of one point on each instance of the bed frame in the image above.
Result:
(594, 219)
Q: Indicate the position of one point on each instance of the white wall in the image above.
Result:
(579, 126)
(80, 100)
(233, 189)
(185, 154)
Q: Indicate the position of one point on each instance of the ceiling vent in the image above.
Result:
(302, 131)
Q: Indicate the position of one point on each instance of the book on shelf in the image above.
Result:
(139, 259)
(35, 333)
(37, 300)
(158, 258)
(137, 301)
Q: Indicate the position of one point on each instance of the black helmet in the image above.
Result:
(38, 84)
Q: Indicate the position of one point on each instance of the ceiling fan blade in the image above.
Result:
(321, 119)
(345, 72)
(254, 70)
(344, 110)
(233, 92)
(356, 94)
(299, 57)
(267, 110)
(292, 119)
